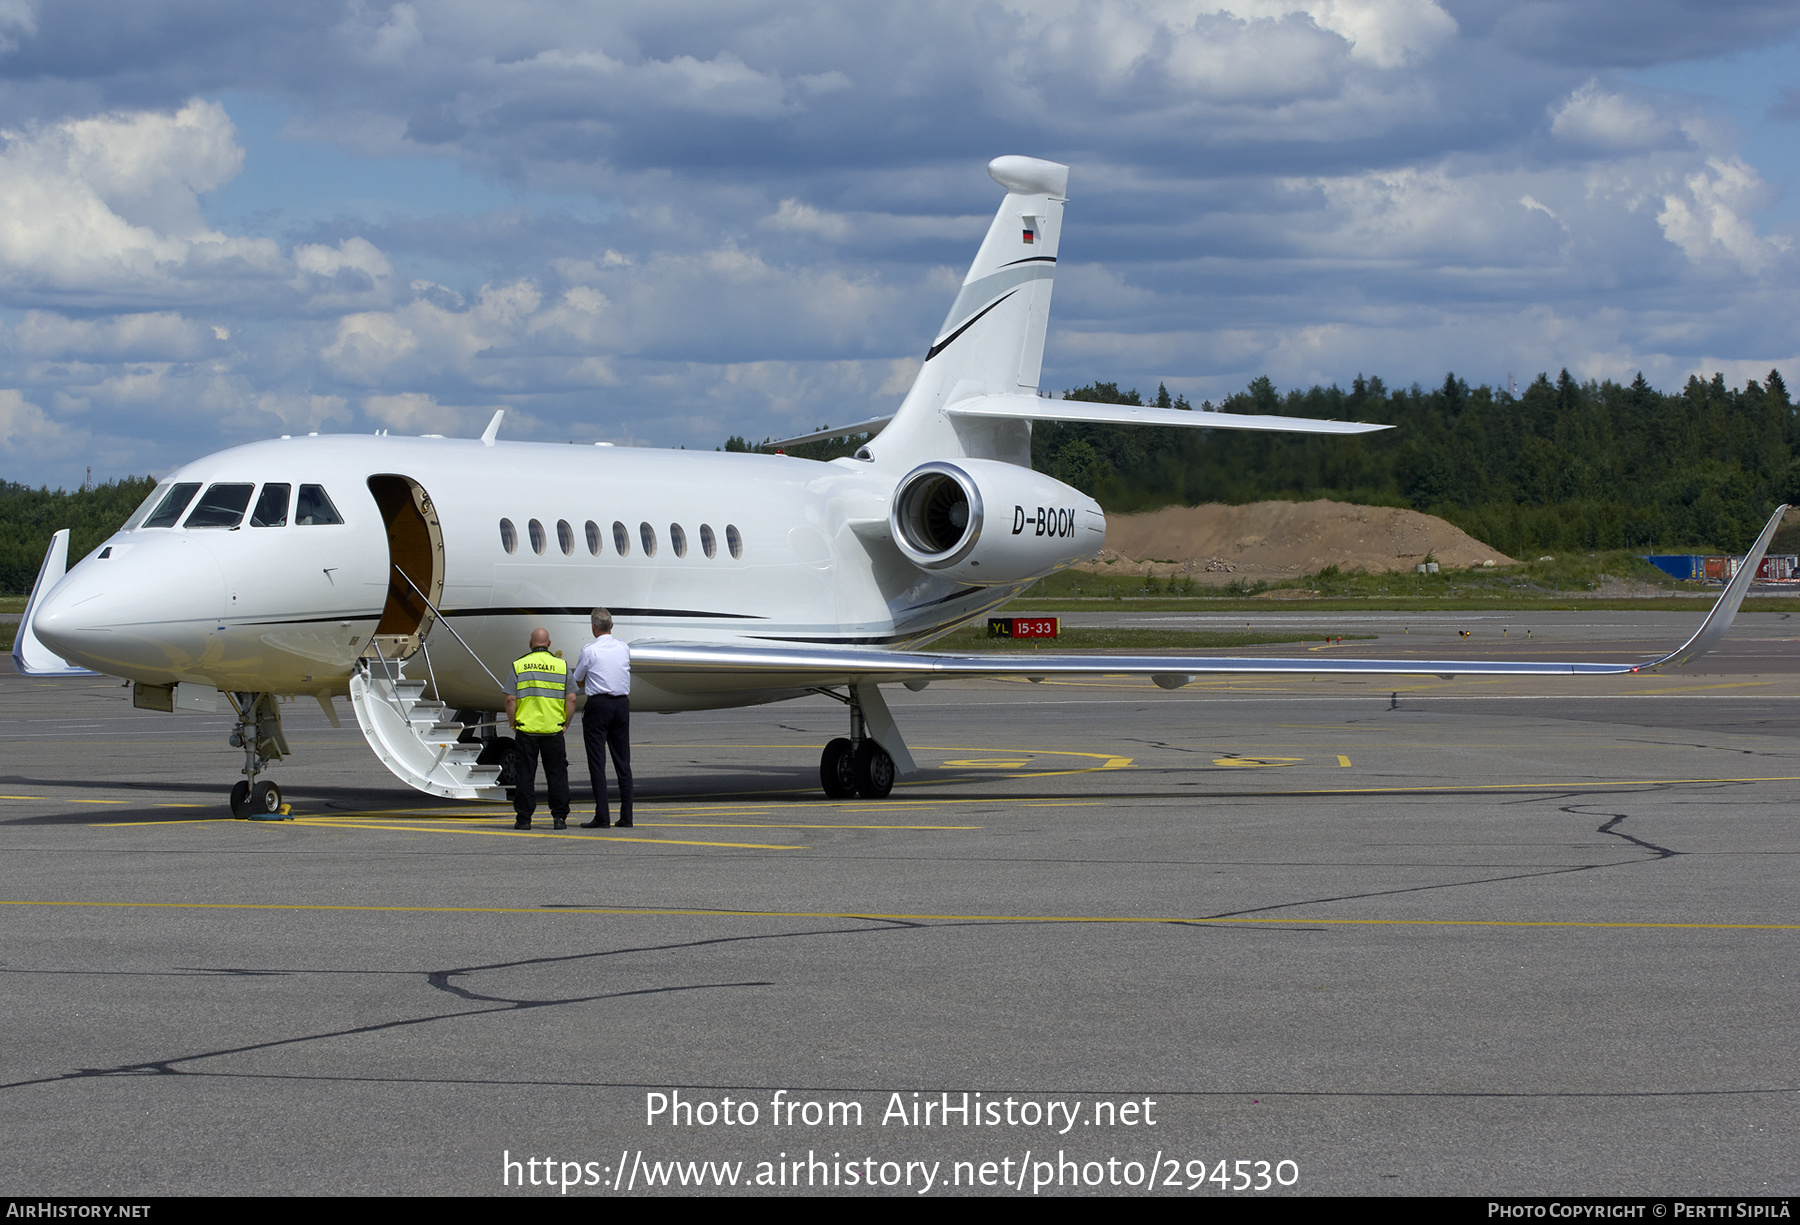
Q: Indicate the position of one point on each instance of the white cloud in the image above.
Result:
(28, 429)
(418, 413)
(1387, 33)
(1708, 222)
(800, 218)
(1593, 117)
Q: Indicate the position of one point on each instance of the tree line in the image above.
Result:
(29, 517)
(1562, 465)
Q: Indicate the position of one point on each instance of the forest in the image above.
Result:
(1562, 465)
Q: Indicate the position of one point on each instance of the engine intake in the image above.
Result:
(983, 521)
(938, 515)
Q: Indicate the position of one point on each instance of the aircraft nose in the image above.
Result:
(144, 612)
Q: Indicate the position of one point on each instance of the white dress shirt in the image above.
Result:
(604, 667)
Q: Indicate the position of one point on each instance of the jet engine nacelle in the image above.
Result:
(983, 521)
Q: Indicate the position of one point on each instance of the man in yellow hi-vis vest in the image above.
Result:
(538, 708)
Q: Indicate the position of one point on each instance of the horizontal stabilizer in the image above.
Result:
(31, 656)
(1034, 408)
(842, 431)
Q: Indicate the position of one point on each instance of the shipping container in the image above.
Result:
(1678, 565)
(1717, 569)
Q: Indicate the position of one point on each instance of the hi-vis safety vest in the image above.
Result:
(540, 680)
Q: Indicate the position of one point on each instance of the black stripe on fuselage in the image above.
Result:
(526, 612)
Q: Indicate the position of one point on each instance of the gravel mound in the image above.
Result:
(1274, 540)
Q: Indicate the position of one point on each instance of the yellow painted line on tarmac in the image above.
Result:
(316, 823)
(1343, 761)
(1697, 688)
(1454, 789)
(680, 912)
(23, 797)
(160, 824)
(326, 819)
(74, 801)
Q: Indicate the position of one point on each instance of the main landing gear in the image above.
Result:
(857, 765)
(258, 733)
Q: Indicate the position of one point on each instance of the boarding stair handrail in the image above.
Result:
(440, 619)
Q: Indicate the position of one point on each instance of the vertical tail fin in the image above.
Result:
(992, 341)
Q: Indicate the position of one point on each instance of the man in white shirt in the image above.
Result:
(603, 673)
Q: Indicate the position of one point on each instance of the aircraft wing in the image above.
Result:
(31, 657)
(770, 665)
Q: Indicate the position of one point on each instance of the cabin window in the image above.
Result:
(537, 536)
(678, 540)
(565, 537)
(509, 538)
(647, 534)
(143, 510)
(708, 545)
(593, 537)
(221, 506)
(173, 505)
(733, 541)
(313, 508)
(271, 506)
(621, 539)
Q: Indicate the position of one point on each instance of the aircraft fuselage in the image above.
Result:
(503, 537)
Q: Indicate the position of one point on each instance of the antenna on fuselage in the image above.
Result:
(493, 430)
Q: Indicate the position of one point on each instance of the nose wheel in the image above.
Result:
(258, 732)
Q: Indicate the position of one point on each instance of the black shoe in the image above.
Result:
(596, 823)
(624, 822)
(559, 825)
(521, 825)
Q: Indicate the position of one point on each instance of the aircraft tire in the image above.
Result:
(874, 771)
(265, 799)
(837, 770)
(240, 799)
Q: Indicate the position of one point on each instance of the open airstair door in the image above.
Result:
(415, 566)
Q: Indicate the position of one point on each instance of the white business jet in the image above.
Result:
(405, 573)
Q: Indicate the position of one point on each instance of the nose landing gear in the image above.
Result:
(258, 732)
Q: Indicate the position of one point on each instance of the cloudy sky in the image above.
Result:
(664, 223)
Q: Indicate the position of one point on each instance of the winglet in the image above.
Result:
(1719, 619)
(493, 430)
(30, 656)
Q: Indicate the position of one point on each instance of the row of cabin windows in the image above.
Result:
(224, 504)
(621, 539)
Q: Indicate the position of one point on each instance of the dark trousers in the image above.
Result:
(526, 748)
(606, 725)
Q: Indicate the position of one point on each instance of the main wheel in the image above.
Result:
(874, 771)
(265, 799)
(837, 770)
(240, 799)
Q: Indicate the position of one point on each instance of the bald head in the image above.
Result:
(540, 638)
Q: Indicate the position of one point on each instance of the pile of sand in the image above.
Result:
(1276, 540)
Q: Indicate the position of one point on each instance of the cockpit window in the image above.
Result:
(173, 504)
(312, 507)
(220, 506)
(271, 507)
(138, 515)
